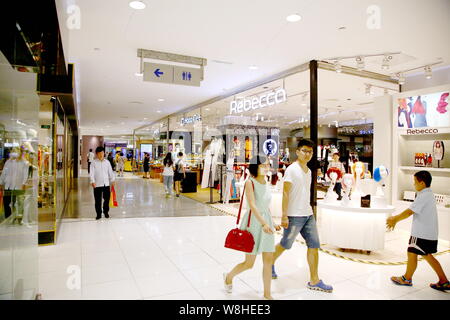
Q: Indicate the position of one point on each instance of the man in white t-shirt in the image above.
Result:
(298, 214)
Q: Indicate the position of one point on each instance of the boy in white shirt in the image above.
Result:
(424, 232)
(298, 215)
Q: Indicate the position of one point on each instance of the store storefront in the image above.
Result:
(342, 112)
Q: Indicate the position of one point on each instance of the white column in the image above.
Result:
(382, 138)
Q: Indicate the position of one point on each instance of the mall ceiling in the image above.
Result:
(233, 35)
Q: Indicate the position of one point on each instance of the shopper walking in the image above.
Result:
(336, 163)
(168, 174)
(180, 173)
(258, 195)
(297, 214)
(146, 165)
(120, 163)
(424, 232)
(90, 159)
(111, 160)
(101, 177)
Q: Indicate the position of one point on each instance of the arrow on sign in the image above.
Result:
(158, 73)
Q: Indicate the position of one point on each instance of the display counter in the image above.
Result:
(353, 228)
(156, 171)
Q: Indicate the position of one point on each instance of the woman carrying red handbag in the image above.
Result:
(258, 195)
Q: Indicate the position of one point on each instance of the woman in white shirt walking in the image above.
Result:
(101, 177)
(168, 174)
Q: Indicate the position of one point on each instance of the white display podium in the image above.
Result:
(353, 228)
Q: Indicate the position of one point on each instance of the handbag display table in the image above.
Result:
(353, 228)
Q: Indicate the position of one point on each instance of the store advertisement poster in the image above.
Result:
(429, 110)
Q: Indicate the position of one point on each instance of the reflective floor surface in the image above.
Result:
(158, 252)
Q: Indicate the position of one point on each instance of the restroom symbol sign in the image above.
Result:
(187, 76)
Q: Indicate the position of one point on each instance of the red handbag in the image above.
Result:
(237, 239)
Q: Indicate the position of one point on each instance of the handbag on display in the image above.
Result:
(113, 198)
(237, 239)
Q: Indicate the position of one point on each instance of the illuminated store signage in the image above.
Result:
(262, 101)
(422, 131)
(192, 119)
(270, 147)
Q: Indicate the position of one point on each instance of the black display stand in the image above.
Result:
(189, 184)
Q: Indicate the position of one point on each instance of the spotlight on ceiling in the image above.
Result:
(253, 67)
(385, 65)
(360, 63)
(428, 72)
(294, 18)
(137, 5)
(338, 66)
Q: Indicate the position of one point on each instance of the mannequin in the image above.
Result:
(347, 182)
(333, 174)
(358, 174)
(280, 181)
(379, 175)
(230, 178)
(213, 154)
(438, 151)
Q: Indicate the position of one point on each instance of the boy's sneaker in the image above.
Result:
(274, 274)
(441, 286)
(402, 281)
(320, 286)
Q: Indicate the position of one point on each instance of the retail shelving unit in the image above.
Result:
(407, 142)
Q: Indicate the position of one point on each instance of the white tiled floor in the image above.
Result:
(184, 258)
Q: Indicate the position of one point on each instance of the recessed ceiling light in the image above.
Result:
(207, 109)
(137, 74)
(159, 111)
(160, 100)
(253, 67)
(138, 5)
(294, 18)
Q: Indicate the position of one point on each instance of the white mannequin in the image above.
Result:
(332, 196)
(357, 192)
(280, 181)
(347, 183)
(212, 153)
(383, 175)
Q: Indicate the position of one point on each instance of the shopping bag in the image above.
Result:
(113, 198)
(237, 239)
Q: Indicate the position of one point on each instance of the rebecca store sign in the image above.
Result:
(262, 101)
(422, 131)
(192, 119)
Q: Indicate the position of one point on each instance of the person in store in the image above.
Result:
(13, 182)
(120, 164)
(424, 232)
(297, 214)
(146, 165)
(179, 174)
(168, 174)
(90, 159)
(262, 226)
(101, 178)
(111, 161)
(336, 163)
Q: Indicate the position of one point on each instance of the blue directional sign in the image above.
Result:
(157, 72)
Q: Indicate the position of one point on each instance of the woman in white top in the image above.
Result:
(168, 174)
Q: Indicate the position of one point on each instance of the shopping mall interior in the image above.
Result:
(200, 91)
